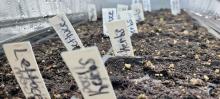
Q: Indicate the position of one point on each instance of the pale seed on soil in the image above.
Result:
(148, 64)
(207, 63)
(57, 96)
(195, 81)
(206, 77)
(187, 42)
(142, 96)
(171, 66)
(218, 56)
(128, 66)
(207, 41)
(174, 41)
(217, 71)
(134, 50)
(186, 32)
(196, 56)
(65, 94)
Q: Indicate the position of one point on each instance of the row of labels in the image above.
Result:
(145, 4)
(85, 63)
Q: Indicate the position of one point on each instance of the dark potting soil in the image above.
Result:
(177, 58)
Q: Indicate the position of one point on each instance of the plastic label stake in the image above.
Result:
(66, 32)
(147, 5)
(138, 11)
(130, 19)
(88, 70)
(120, 8)
(120, 39)
(175, 7)
(135, 1)
(92, 12)
(108, 15)
(23, 63)
(178, 6)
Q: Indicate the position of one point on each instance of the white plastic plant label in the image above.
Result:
(120, 8)
(178, 6)
(120, 39)
(92, 12)
(175, 7)
(24, 66)
(108, 15)
(138, 11)
(130, 19)
(147, 5)
(88, 70)
(66, 32)
(135, 1)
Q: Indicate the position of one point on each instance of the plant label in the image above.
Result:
(138, 11)
(147, 5)
(92, 12)
(130, 19)
(120, 39)
(120, 8)
(23, 63)
(66, 32)
(175, 7)
(135, 1)
(108, 15)
(88, 70)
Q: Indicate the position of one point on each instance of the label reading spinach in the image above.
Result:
(88, 70)
(90, 78)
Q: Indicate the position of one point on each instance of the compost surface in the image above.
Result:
(176, 59)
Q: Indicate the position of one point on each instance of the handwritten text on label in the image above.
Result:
(130, 19)
(66, 32)
(120, 39)
(108, 15)
(138, 11)
(25, 68)
(90, 73)
(121, 8)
